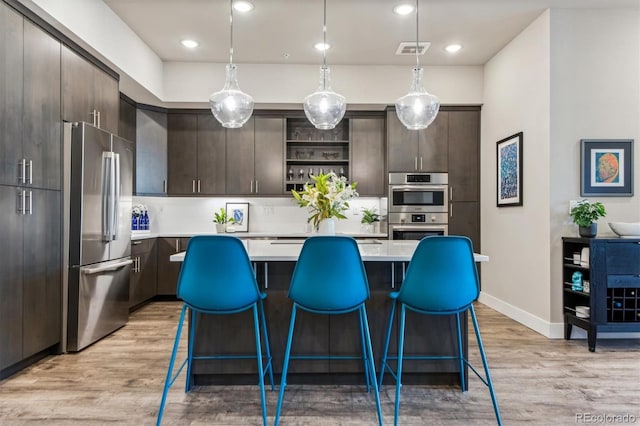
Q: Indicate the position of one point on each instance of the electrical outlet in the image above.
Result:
(572, 204)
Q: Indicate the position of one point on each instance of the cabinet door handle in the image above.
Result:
(135, 243)
(451, 193)
(22, 172)
(251, 190)
(450, 209)
(420, 162)
(393, 275)
(193, 185)
(30, 165)
(198, 185)
(30, 196)
(21, 202)
(256, 186)
(177, 245)
(164, 186)
(99, 126)
(415, 162)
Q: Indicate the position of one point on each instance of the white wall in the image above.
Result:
(595, 86)
(516, 98)
(273, 83)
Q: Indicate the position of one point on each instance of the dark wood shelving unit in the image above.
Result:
(613, 273)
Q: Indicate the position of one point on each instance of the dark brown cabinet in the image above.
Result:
(464, 219)
(211, 162)
(464, 155)
(30, 180)
(168, 271)
(611, 300)
(151, 152)
(30, 285)
(417, 150)
(128, 119)
(182, 154)
(29, 105)
(89, 93)
(143, 275)
(255, 157)
(367, 155)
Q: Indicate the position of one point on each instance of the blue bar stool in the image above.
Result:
(441, 279)
(216, 278)
(329, 278)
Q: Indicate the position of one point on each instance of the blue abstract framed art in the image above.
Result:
(606, 167)
(239, 212)
(509, 171)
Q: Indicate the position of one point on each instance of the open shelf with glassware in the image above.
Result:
(310, 151)
(606, 297)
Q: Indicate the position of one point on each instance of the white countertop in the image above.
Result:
(288, 251)
(141, 235)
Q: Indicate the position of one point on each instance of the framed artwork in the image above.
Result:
(606, 167)
(239, 212)
(509, 171)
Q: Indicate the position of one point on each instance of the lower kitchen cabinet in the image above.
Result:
(168, 271)
(464, 219)
(31, 279)
(142, 284)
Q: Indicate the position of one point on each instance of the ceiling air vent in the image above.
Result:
(409, 48)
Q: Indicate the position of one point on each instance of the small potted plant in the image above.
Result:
(585, 215)
(221, 219)
(369, 219)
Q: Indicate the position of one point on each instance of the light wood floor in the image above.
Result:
(119, 381)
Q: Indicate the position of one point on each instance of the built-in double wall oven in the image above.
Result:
(418, 205)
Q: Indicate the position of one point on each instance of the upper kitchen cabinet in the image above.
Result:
(464, 155)
(310, 151)
(127, 122)
(367, 155)
(255, 157)
(29, 104)
(195, 154)
(89, 93)
(151, 151)
(182, 154)
(417, 150)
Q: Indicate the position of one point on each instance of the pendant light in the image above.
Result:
(324, 108)
(231, 106)
(418, 108)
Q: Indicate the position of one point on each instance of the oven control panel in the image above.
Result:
(417, 218)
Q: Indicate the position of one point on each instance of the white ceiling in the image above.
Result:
(359, 31)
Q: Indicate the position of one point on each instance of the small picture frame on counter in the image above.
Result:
(238, 214)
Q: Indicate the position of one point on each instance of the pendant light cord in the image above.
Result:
(230, 31)
(324, 36)
(417, 38)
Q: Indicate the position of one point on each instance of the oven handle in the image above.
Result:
(419, 227)
(419, 188)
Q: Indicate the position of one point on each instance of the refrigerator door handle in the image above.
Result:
(112, 267)
(106, 192)
(115, 204)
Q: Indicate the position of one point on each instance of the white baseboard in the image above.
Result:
(548, 329)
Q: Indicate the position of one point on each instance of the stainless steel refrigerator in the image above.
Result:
(98, 196)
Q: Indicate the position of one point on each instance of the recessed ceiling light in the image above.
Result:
(403, 9)
(453, 48)
(242, 6)
(322, 46)
(191, 44)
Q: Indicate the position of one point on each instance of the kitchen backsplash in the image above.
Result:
(279, 215)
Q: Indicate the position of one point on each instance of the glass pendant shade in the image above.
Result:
(324, 108)
(231, 106)
(418, 108)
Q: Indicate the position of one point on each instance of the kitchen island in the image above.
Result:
(385, 262)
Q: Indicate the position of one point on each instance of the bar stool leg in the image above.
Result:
(399, 369)
(266, 342)
(188, 385)
(364, 322)
(285, 365)
(256, 325)
(486, 366)
(383, 364)
(460, 357)
(365, 361)
(168, 380)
